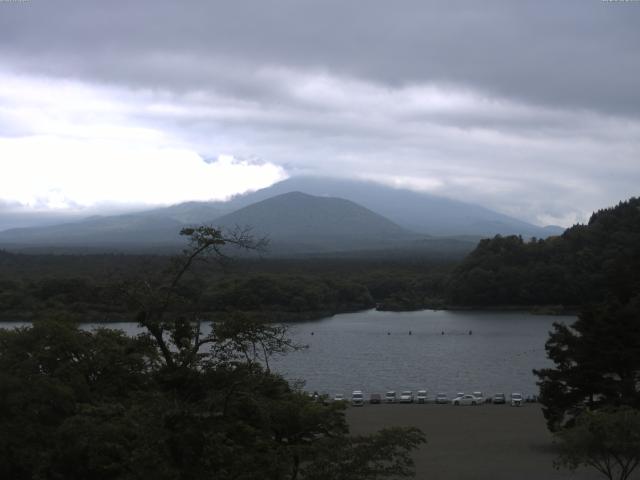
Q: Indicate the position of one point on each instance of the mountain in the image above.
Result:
(401, 216)
(294, 222)
(298, 222)
(189, 212)
(419, 212)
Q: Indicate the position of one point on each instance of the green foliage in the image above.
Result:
(382, 455)
(77, 405)
(597, 362)
(287, 294)
(607, 440)
(81, 287)
(585, 264)
(174, 402)
(47, 373)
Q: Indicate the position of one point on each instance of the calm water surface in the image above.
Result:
(374, 352)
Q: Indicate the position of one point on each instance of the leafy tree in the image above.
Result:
(597, 363)
(607, 440)
(53, 373)
(382, 455)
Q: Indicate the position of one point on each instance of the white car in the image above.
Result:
(516, 399)
(479, 396)
(467, 399)
(357, 398)
(406, 397)
(338, 397)
(421, 397)
(390, 397)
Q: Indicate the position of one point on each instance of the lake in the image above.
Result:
(374, 352)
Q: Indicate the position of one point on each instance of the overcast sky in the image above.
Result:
(531, 108)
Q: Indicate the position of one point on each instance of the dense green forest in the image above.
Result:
(588, 263)
(84, 286)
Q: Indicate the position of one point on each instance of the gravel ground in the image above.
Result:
(485, 442)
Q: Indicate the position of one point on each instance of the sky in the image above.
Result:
(531, 108)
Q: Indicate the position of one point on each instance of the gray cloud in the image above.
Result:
(579, 53)
(527, 107)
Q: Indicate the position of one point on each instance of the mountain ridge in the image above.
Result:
(413, 216)
(421, 212)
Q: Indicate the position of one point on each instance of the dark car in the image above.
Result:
(442, 398)
(375, 398)
(499, 398)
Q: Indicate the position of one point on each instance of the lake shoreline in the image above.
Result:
(559, 310)
(292, 317)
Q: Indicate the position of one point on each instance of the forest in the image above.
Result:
(587, 263)
(83, 285)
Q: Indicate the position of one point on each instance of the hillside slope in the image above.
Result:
(587, 263)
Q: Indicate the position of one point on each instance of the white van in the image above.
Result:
(357, 398)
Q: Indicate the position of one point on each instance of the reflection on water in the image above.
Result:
(441, 351)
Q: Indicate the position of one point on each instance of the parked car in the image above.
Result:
(338, 397)
(516, 399)
(442, 398)
(479, 396)
(375, 398)
(499, 398)
(357, 398)
(421, 396)
(467, 399)
(406, 397)
(390, 397)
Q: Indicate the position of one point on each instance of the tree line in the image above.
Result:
(587, 263)
(286, 289)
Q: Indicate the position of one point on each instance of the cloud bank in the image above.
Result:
(530, 108)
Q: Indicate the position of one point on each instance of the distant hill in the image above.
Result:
(298, 222)
(189, 212)
(419, 212)
(118, 230)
